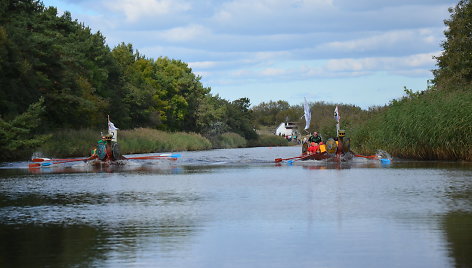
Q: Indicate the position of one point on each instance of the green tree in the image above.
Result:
(455, 63)
(212, 116)
(17, 137)
(270, 113)
(240, 119)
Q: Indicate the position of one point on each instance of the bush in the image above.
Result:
(229, 140)
(268, 140)
(432, 125)
(71, 143)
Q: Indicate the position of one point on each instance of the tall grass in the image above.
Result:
(268, 140)
(144, 140)
(70, 143)
(434, 125)
(229, 140)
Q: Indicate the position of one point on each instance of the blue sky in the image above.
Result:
(359, 52)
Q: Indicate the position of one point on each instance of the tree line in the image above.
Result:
(56, 70)
(55, 73)
(432, 124)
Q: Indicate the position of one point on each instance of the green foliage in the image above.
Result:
(454, 65)
(431, 125)
(211, 116)
(17, 137)
(69, 143)
(43, 54)
(272, 113)
(144, 140)
(240, 119)
(268, 140)
(229, 140)
(162, 93)
(78, 143)
(47, 55)
(322, 119)
(436, 123)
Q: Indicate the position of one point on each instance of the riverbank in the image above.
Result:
(429, 125)
(75, 143)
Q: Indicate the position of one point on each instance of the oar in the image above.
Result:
(383, 160)
(300, 158)
(151, 157)
(277, 160)
(53, 160)
(46, 162)
(366, 156)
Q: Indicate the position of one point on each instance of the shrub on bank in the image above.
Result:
(72, 143)
(69, 142)
(229, 140)
(434, 125)
(268, 140)
(76, 143)
(145, 140)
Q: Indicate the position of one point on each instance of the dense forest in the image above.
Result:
(56, 74)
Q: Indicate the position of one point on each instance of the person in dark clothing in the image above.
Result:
(315, 138)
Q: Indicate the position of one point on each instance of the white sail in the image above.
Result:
(307, 114)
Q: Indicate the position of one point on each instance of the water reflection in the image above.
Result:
(458, 230)
(239, 213)
(51, 245)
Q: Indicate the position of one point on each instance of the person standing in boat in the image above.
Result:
(315, 138)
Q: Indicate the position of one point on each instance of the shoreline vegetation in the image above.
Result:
(57, 75)
(76, 143)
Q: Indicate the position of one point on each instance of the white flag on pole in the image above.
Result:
(111, 126)
(337, 117)
(112, 130)
(307, 114)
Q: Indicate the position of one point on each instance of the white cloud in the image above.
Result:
(185, 34)
(137, 9)
(245, 42)
(273, 72)
(384, 40)
(267, 13)
(381, 64)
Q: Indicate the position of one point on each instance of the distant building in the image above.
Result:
(287, 129)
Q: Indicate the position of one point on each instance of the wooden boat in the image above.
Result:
(106, 153)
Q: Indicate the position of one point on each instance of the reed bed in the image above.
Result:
(229, 140)
(79, 143)
(268, 140)
(73, 143)
(434, 125)
(145, 140)
(69, 143)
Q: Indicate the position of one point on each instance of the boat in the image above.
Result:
(334, 149)
(107, 153)
(338, 148)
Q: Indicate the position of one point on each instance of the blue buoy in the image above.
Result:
(385, 161)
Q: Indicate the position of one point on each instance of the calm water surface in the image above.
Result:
(237, 208)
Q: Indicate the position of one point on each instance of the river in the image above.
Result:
(237, 208)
